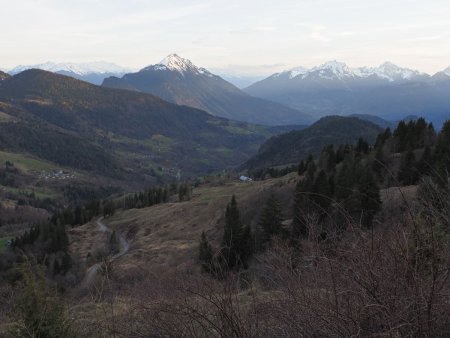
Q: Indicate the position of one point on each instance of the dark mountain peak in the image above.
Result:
(178, 80)
(3, 75)
(37, 82)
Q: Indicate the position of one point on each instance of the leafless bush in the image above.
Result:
(388, 281)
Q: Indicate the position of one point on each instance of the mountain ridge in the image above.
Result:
(388, 91)
(179, 81)
(141, 131)
(92, 72)
(289, 148)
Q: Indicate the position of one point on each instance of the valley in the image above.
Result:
(168, 202)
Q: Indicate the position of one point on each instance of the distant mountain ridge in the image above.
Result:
(178, 80)
(291, 147)
(116, 132)
(93, 72)
(339, 70)
(388, 91)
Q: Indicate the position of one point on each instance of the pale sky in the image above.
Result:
(231, 36)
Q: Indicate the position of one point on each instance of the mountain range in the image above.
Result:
(178, 80)
(128, 135)
(388, 91)
(93, 72)
(297, 96)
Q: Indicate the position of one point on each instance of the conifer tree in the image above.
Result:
(362, 146)
(369, 196)
(382, 138)
(236, 240)
(205, 253)
(303, 207)
(322, 192)
(271, 218)
(41, 312)
(425, 164)
(301, 168)
(344, 182)
(407, 174)
(378, 164)
(66, 262)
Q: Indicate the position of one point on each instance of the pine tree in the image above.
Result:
(303, 207)
(322, 192)
(271, 218)
(378, 164)
(301, 168)
(344, 182)
(401, 136)
(205, 253)
(369, 196)
(66, 263)
(425, 164)
(408, 174)
(311, 169)
(114, 246)
(235, 237)
(362, 146)
(245, 246)
(41, 312)
(382, 138)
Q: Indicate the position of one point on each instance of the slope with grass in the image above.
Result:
(167, 235)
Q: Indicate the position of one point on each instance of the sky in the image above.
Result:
(240, 37)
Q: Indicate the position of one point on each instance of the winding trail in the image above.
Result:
(124, 248)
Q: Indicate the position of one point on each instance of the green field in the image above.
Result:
(25, 162)
(40, 193)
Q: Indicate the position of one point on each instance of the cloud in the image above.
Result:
(265, 28)
(319, 34)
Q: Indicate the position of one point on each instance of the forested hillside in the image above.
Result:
(290, 148)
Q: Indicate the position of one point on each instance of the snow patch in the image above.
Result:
(175, 63)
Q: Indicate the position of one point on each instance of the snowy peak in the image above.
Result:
(447, 71)
(339, 70)
(393, 72)
(84, 68)
(329, 70)
(175, 63)
(333, 69)
(297, 71)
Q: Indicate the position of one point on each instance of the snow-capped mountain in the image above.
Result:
(178, 80)
(339, 70)
(77, 68)
(387, 90)
(93, 72)
(175, 63)
(447, 71)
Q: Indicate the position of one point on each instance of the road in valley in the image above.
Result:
(124, 247)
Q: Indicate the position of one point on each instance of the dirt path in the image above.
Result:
(124, 247)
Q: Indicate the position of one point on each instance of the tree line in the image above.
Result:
(342, 184)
